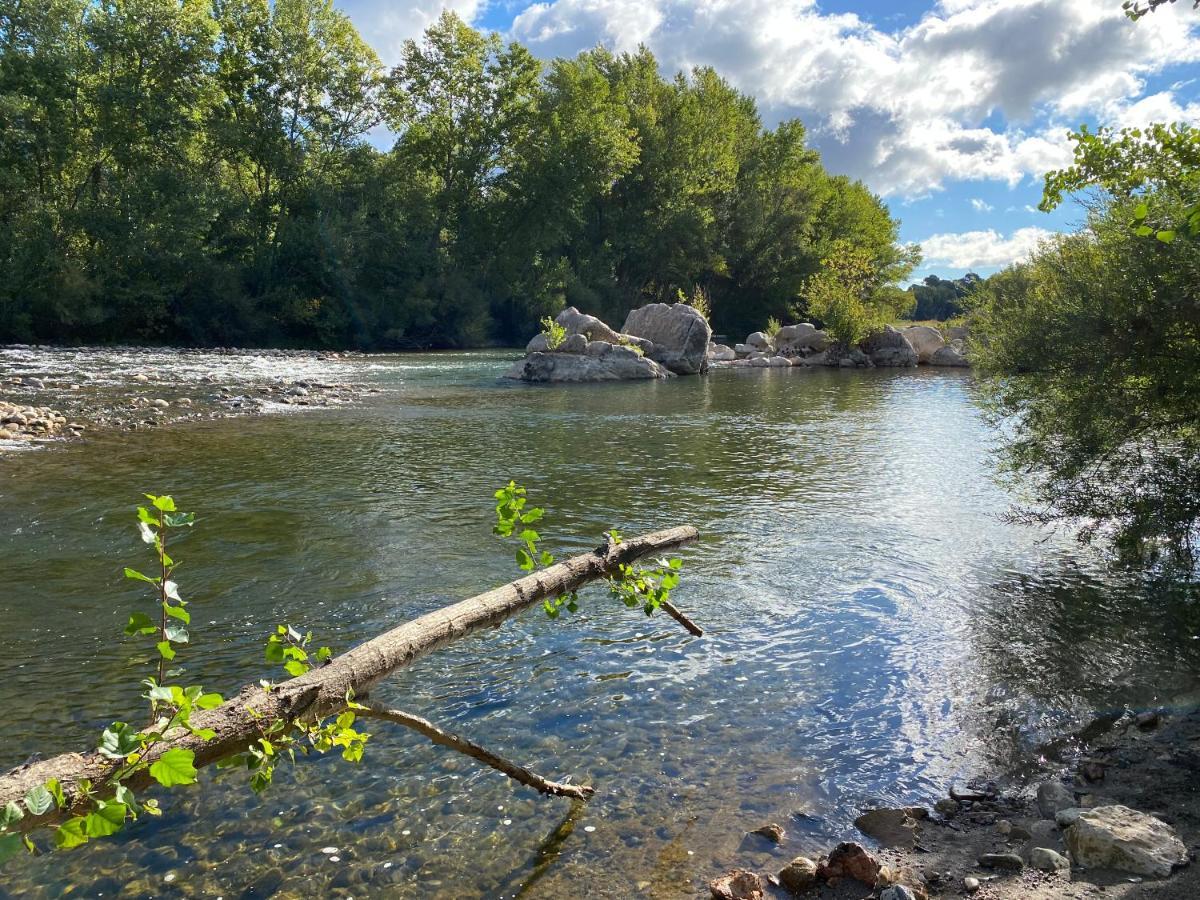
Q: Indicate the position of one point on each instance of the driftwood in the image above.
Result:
(324, 691)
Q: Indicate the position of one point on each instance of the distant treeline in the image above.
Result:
(942, 298)
(198, 172)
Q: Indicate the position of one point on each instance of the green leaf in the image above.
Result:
(1166, 236)
(125, 796)
(119, 740)
(295, 668)
(176, 766)
(164, 648)
(547, 558)
(140, 623)
(10, 846)
(524, 560)
(532, 515)
(178, 612)
(39, 801)
(1144, 231)
(138, 576)
(324, 654)
(109, 818)
(144, 515)
(56, 791)
(1141, 211)
(180, 520)
(176, 634)
(209, 701)
(164, 503)
(11, 814)
(71, 833)
(274, 650)
(161, 693)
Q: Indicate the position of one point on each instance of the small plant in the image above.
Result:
(635, 586)
(697, 301)
(772, 329)
(634, 347)
(554, 333)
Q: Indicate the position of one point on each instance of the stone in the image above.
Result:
(773, 833)
(801, 338)
(160, 404)
(721, 353)
(949, 356)
(1117, 837)
(599, 349)
(590, 327)
(680, 335)
(1092, 771)
(760, 362)
(737, 885)
(742, 350)
(760, 342)
(1065, 818)
(538, 344)
(1147, 720)
(889, 349)
(1009, 861)
(620, 364)
(573, 343)
(779, 362)
(891, 827)
(798, 875)
(898, 892)
(970, 884)
(947, 806)
(924, 339)
(1053, 796)
(850, 860)
(1048, 860)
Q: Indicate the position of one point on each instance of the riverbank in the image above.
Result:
(1010, 838)
(52, 394)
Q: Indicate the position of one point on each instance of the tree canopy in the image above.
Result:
(208, 172)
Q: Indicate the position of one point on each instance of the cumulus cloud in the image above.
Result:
(387, 25)
(981, 205)
(977, 89)
(981, 249)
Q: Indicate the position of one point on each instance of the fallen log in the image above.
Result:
(239, 721)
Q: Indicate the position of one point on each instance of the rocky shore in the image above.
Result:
(805, 345)
(54, 394)
(1121, 820)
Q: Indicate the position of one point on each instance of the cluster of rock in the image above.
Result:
(806, 345)
(657, 341)
(847, 862)
(27, 423)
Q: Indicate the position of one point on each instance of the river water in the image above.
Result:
(874, 629)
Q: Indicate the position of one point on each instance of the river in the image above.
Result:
(875, 630)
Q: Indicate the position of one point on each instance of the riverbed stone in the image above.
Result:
(739, 884)
(802, 338)
(949, 356)
(850, 860)
(721, 353)
(772, 832)
(1048, 860)
(898, 892)
(889, 349)
(1117, 837)
(576, 322)
(924, 339)
(620, 364)
(573, 343)
(679, 333)
(798, 875)
(891, 827)
(1053, 796)
(539, 343)
(1008, 861)
(760, 342)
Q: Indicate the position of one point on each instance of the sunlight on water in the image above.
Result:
(874, 629)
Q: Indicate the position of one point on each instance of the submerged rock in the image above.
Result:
(773, 833)
(737, 885)
(891, 827)
(1117, 837)
(619, 364)
(949, 355)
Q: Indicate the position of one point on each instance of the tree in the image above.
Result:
(851, 295)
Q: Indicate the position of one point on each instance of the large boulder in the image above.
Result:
(1117, 837)
(950, 355)
(574, 343)
(889, 348)
(590, 327)
(925, 340)
(538, 344)
(802, 338)
(721, 353)
(760, 342)
(679, 333)
(617, 363)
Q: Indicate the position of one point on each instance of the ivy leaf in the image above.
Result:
(164, 503)
(178, 612)
(70, 834)
(295, 668)
(56, 792)
(144, 515)
(11, 814)
(139, 623)
(209, 701)
(109, 818)
(39, 801)
(176, 634)
(118, 740)
(164, 648)
(138, 576)
(176, 766)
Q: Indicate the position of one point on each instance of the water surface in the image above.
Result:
(874, 629)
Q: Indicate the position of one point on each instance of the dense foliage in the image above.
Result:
(941, 298)
(199, 171)
(1097, 342)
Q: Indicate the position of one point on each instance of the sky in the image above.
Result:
(951, 110)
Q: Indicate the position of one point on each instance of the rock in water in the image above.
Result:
(925, 340)
(679, 333)
(1052, 796)
(800, 339)
(737, 885)
(798, 875)
(760, 342)
(850, 860)
(1048, 860)
(949, 356)
(590, 327)
(621, 364)
(773, 833)
(1117, 837)
(889, 349)
(891, 827)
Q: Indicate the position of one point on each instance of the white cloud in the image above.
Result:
(981, 205)
(981, 249)
(387, 25)
(905, 110)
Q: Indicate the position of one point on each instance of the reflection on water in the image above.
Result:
(873, 629)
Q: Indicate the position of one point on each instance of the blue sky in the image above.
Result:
(949, 109)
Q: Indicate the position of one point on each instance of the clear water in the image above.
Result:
(874, 629)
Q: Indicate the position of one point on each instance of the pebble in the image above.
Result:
(970, 884)
(1009, 861)
(1004, 826)
(329, 851)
